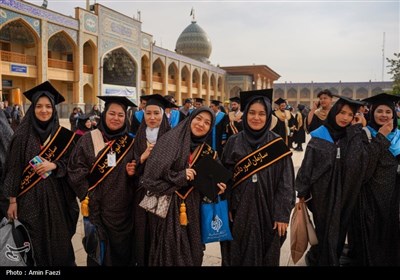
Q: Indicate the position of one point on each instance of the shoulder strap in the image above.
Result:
(368, 132)
(98, 142)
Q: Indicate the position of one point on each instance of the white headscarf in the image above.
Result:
(152, 133)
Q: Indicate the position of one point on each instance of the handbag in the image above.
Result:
(215, 222)
(311, 235)
(15, 244)
(298, 232)
(157, 205)
(92, 243)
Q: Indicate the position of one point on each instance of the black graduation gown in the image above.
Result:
(375, 224)
(334, 185)
(299, 136)
(281, 128)
(49, 210)
(110, 204)
(218, 133)
(256, 206)
(315, 123)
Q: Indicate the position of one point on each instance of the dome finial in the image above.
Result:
(193, 15)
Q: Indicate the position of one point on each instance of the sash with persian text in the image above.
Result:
(259, 159)
(100, 169)
(204, 150)
(54, 150)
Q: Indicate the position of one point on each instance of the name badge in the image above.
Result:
(111, 160)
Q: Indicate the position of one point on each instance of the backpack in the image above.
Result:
(15, 244)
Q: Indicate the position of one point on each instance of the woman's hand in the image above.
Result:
(222, 187)
(358, 118)
(281, 227)
(386, 128)
(45, 166)
(190, 173)
(146, 153)
(131, 168)
(12, 209)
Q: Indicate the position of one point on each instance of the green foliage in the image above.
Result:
(394, 65)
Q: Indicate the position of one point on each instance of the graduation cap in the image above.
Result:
(198, 99)
(122, 100)
(246, 96)
(382, 98)
(350, 101)
(157, 99)
(47, 89)
(209, 173)
(188, 100)
(215, 102)
(235, 99)
(279, 101)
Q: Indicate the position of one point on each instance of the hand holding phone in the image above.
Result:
(35, 162)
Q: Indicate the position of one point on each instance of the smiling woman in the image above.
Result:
(46, 206)
(101, 169)
(175, 240)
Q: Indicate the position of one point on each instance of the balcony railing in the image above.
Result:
(18, 58)
(87, 69)
(157, 79)
(62, 64)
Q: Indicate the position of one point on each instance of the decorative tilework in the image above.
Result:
(90, 22)
(118, 29)
(146, 41)
(41, 13)
(107, 45)
(6, 15)
(53, 28)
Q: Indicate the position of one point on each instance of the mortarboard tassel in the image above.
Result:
(182, 214)
(85, 207)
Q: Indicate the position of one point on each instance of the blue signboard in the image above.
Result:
(19, 68)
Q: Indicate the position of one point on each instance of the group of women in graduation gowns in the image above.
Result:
(375, 228)
(342, 170)
(353, 185)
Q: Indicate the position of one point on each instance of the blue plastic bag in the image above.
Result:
(215, 222)
(94, 247)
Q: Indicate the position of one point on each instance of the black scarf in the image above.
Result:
(337, 132)
(43, 129)
(174, 150)
(82, 124)
(257, 137)
(107, 132)
(372, 123)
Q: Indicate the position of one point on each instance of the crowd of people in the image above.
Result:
(111, 161)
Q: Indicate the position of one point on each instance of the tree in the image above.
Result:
(395, 72)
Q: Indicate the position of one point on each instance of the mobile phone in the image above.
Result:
(35, 161)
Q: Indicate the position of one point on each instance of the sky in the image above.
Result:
(303, 41)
